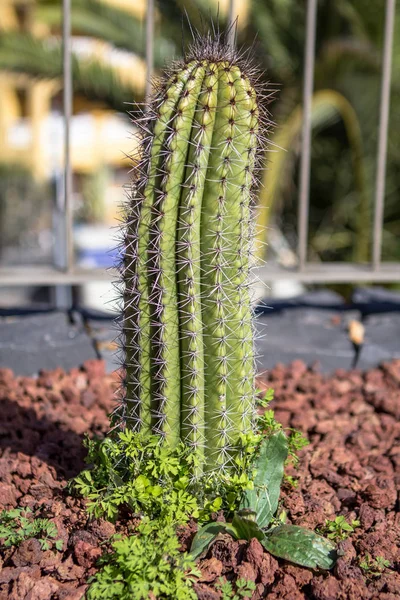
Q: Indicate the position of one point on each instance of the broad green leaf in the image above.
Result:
(207, 534)
(301, 546)
(264, 498)
(246, 528)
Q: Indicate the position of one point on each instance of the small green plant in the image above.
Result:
(19, 524)
(146, 565)
(137, 471)
(153, 479)
(339, 529)
(373, 567)
(296, 442)
(267, 423)
(244, 589)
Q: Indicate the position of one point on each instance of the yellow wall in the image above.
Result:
(136, 7)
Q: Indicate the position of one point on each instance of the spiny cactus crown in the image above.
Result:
(188, 332)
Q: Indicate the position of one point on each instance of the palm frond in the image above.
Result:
(98, 19)
(42, 59)
(272, 37)
(328, 106)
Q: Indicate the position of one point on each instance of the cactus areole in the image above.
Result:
(188, 333)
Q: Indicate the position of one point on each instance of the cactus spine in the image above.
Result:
(188, 326)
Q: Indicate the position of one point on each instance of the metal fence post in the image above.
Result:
(149, 47)
(383, 134)
(63, 294)
(67, 105)
(231, 23)
(308, 85)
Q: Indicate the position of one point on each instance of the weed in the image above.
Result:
(296, 442)
(267, 423)
(146, 565)
(244, 589)
(19, 524)
(373, 567)
(339, 529)
(155, 480)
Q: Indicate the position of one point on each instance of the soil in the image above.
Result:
(351, 467)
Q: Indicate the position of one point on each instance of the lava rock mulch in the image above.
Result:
(351, 467)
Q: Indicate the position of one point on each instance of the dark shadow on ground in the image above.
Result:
(22, 431)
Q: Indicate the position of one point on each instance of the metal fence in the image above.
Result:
(338, 272)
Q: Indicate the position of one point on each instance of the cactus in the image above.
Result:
(188, 335)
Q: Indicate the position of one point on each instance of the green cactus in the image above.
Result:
(188, 331)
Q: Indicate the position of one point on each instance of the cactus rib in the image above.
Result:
(137, 317)
(163, 296)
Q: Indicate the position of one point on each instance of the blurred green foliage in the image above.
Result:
(345, 110)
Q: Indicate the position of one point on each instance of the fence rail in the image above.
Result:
(376, 271)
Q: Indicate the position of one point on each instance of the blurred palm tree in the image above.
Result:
(26, 54)
(344, 124)
(41, 57)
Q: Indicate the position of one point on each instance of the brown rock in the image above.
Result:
(246, 571)
(211, 569)
(41, 492)
(225, 550)
(6, 375)
(68, 571)
(28, 553)
(88, 398)
(325, 588)
(346, 550)
(254, 554)
(71, 593)
(49, 560)
(62, 533)
(294, 503)
(301, 575)
(71, 394)
(286, 589)
(22, 586)
(8, 496)
(379, 543)
(269, 568)
(186, 534)
(102, 529)
(347, 497)
(44, 589)
(23, 485)
(381, 494)
(259, 592)
(344, 570)
(205, 592)
(94, 368)
(389, 582)
(23, 466)
(85, 554)
(366, 515)
(8, 574)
